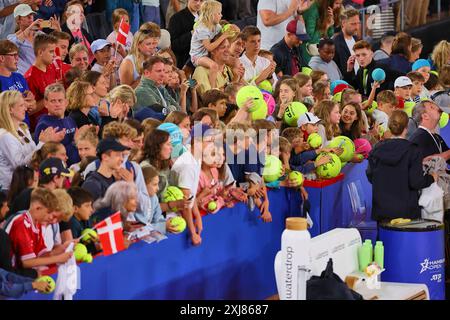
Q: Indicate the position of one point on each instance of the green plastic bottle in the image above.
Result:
(364, 257)
(379, 254)
(369, 243)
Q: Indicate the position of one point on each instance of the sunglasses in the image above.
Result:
(23, 136)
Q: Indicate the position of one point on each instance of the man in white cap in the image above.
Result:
(403, 86)
(6, 14)
(105, 63)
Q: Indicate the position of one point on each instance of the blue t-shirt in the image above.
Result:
(66, 123)
(15, 82)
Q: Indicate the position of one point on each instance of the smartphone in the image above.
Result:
(45, 24)
(192, 82)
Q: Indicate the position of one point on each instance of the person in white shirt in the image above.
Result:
(16, 144)
(257, 68)
(185, 174)
(272, 19)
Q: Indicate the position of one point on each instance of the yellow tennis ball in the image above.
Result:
(314, 140)
(331, 169)
(50, 281)
(178, 223)
(172, 193)
(80, 251)
(444, 120)
(88, 258)
(212, 206)
(293, 112)
(88, 235)
(266, 85)
(297, 177)
(273, 169)
(409, 107)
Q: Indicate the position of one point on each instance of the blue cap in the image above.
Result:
(99, 44)
(420, 64)
(156, 112)
(176, 136)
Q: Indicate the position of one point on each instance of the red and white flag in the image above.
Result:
(57, 62)
(110, 232)
(122, 33)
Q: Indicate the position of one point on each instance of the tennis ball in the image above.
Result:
(293, 112)
(247, 92)
(297, 177)
(444, 120)
(270, 102)
(435, 73)
(331, 169)
(178, 223)
(80, 251)
(88, 235)
(378, 75)
(50, 281)
(266, 85)
(88, 258)
(307, 71)
(371, 108)
(261, 112)
(314, 140)
(363, 147)
(337, 97)
(409, 107)
(226, 27)
(273, 169)
(346, 144)
(172, 193)
(212, 206)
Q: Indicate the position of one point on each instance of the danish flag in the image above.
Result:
(122, 33)
(110, 234)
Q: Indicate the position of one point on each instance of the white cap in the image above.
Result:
(164, 41)
(99, 44)
(403, 81)
(22, 10)
(307, 118)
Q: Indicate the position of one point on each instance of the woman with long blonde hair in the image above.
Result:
(16, 144)
(441, 55)
(143, 47)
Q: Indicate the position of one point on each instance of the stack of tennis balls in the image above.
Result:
(331, 169)
(314, 140)
(81, 254)
(259, 109)
(172, 193)
(50, 282)
(273, 169)
(178, 223)
(293, 112)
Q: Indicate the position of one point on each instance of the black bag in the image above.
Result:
(329, 287)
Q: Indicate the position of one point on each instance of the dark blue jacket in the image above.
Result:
(283, 55)
(67, 124)
(397, 63)
(13, 285)
(299, 161)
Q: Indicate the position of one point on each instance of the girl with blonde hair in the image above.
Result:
(16, 144)
(441, 55)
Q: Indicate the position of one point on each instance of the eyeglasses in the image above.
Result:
(23, 136)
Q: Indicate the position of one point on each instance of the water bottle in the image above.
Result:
(364, 256)
(379, 254)
(369, 244)
(292, 263)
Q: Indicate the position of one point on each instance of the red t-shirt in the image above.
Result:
(38, 80)
(27, 240)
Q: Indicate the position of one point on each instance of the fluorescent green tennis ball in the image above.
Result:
(273, 169)
(331, 169)
(337, 97)
(261, 112)
(314, 140)
(172, 193)
(444, 120)
(226, 27)
(297, 177)
(247, 92)
(266, 85)
(307, 71)
(212, 206)
(346, 144)
(371, 108)
(293, 112)
(178, 223)
(80, 251)
(88, 258)
(88, 235)
(409, 107)
(50, 281)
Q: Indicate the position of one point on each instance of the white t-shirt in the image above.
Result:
(273, 34)
(350, 43)
(185, 173)
(381, 117)
(253, 71)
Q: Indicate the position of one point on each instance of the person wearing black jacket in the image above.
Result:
(396, 174)
(180, 27)
(350, 26)
(363, 80)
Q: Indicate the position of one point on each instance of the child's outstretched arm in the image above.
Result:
(212, 45)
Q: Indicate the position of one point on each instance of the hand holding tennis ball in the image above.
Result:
(44, 284)
(212, 206)
(89, 235)
(178, 223)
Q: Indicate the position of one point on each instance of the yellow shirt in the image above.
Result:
(201, 76)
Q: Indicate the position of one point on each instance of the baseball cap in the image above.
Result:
(109, 144)
(99, 44)
(54, 167)
(155, 111)
(22, 10)
(403, 81)
(298, 28)
(307, 118)
(420, 64)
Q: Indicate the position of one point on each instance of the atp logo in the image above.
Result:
(431, 265)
